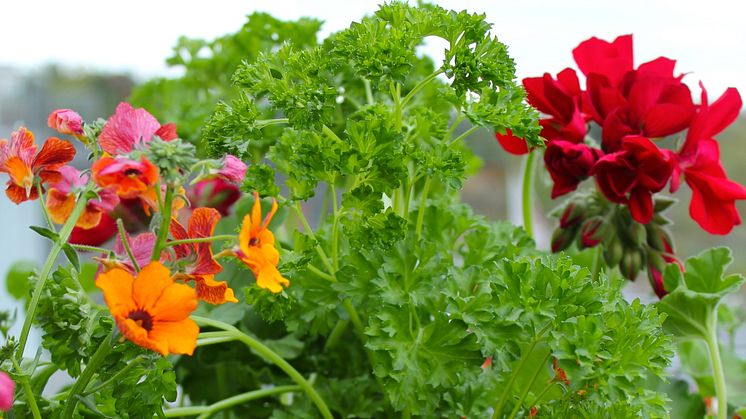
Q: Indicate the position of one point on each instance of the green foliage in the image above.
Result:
(17, 278)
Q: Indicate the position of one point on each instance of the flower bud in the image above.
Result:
(631, 264)
(659, 238)
(592, 232)
(234, 170)
(214, 193)
(562, 238)
(613, 252)
(7, 387)
(66, 121)
(656, 265)
(572, 215)
(663, 202)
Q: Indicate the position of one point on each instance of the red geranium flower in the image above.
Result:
(560, 99)
(633, 174)
(608, 59)
(569, 164)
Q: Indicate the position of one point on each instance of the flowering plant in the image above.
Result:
(220, 292)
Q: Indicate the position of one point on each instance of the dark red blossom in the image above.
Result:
(569, 164)
(633, 174)
(560, 100)
(608, 59)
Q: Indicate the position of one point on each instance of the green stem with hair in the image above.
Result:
(166, 208)
(126, 245)
(225, 237)
(90, 370)
(711, 339)
(206, 411)
(271, 356)
(29, 393)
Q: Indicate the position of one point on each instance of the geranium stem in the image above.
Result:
(717, 368)
(528, 189)
(271, 356)
(64, 235)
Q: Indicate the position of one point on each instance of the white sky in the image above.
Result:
(708, 38)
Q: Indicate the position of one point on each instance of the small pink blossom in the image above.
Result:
(7, 387)
(214, 193)
(129, 127)
(234, 170)
(66, 121)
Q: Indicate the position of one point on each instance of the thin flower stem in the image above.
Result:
(87, 248)
(717, 367)
(271, 356)
(44, 209)
(424, 82)
(421, 209)
(126, 245)
(544, 391)
(64, 235)
(226, 237)
(28, 391)
(497, 413)
(527, 195)
(238, 399)
(525, 391)
(90, 370)
(160, 240)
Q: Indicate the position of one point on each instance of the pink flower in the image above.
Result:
(7, 387)
(129, 127)
(234, 170)
(66, 121)
(214, 193)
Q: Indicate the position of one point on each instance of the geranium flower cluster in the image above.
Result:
(151, 281)
(635, 107)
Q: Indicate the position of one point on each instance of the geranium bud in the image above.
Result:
(66, 121)
(663, 202)
(7, 387)
(631, 264)
(659, 239)
(656, 265)
(592, 232)
(562, 238)
(572, 214)
(636, 233)
(613, 252)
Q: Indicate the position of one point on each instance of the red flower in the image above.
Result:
(560, 100)
(129, 127)
(610, 60)
(97, 235)
(569, 164)
(215, 193)
(632, 175)
(131, 178)
(713, 194)
(511, 143)
(25, 167)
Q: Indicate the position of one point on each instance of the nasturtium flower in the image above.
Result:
(214, 193)
(202, 266)
(130, 178)
(152, 310)
(95, 236)
(66, 121)
(256, 248)
(61, 199)
(129, 127)
(19, 159)
(7, 387)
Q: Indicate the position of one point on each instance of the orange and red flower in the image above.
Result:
(61, 199)
(256, 248)
(130, 178)
(152, 310)
(25, 167)
(202, 265)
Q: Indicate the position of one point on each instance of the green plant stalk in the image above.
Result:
(262, 123)
(336, 333)
(160, 240)
(115, 378)
(64, 235)
(368, 92)
(525, 391)
(335, 229)
(87, 248)
(466, 133)
(24, 380)
(226, 237)
(126, 245)
(420, 85)
(509, 385)
(271, 356)
(309, 231)
(528, 189)
(717, 366)
(421, 209)
(44, 210)
(90, 370)
(230, 402)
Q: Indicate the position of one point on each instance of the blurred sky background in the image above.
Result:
(118, 43)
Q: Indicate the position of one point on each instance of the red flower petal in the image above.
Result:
(511, 143)
(54, 154)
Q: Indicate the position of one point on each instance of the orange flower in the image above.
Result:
(152, 310)
(131, 178)
(202, 265)
(256, 248)
(61, 199)
(20, 160)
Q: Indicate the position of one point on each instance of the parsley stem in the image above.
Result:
(309, 231)
(368, 92)
(206, 411)
(24, 380)
(160, 240)
(126, 244)
(115, 378)
(528, 183)
(544, 391)
(64, 235)
(336, 333)
(321, 273)
(261, 123)
(335, 229)
(530, 384)
(271, 356)
(421, 209)
(91, 368)
(466, 133)
(711, 339)
(226, 237)
(420, 85)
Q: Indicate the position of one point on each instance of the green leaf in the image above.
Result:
(17, 279)
(45, 232)
(71, 255)
(695, 294)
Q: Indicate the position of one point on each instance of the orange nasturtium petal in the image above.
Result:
(212, 291)
(60, 205)
(152, 310)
